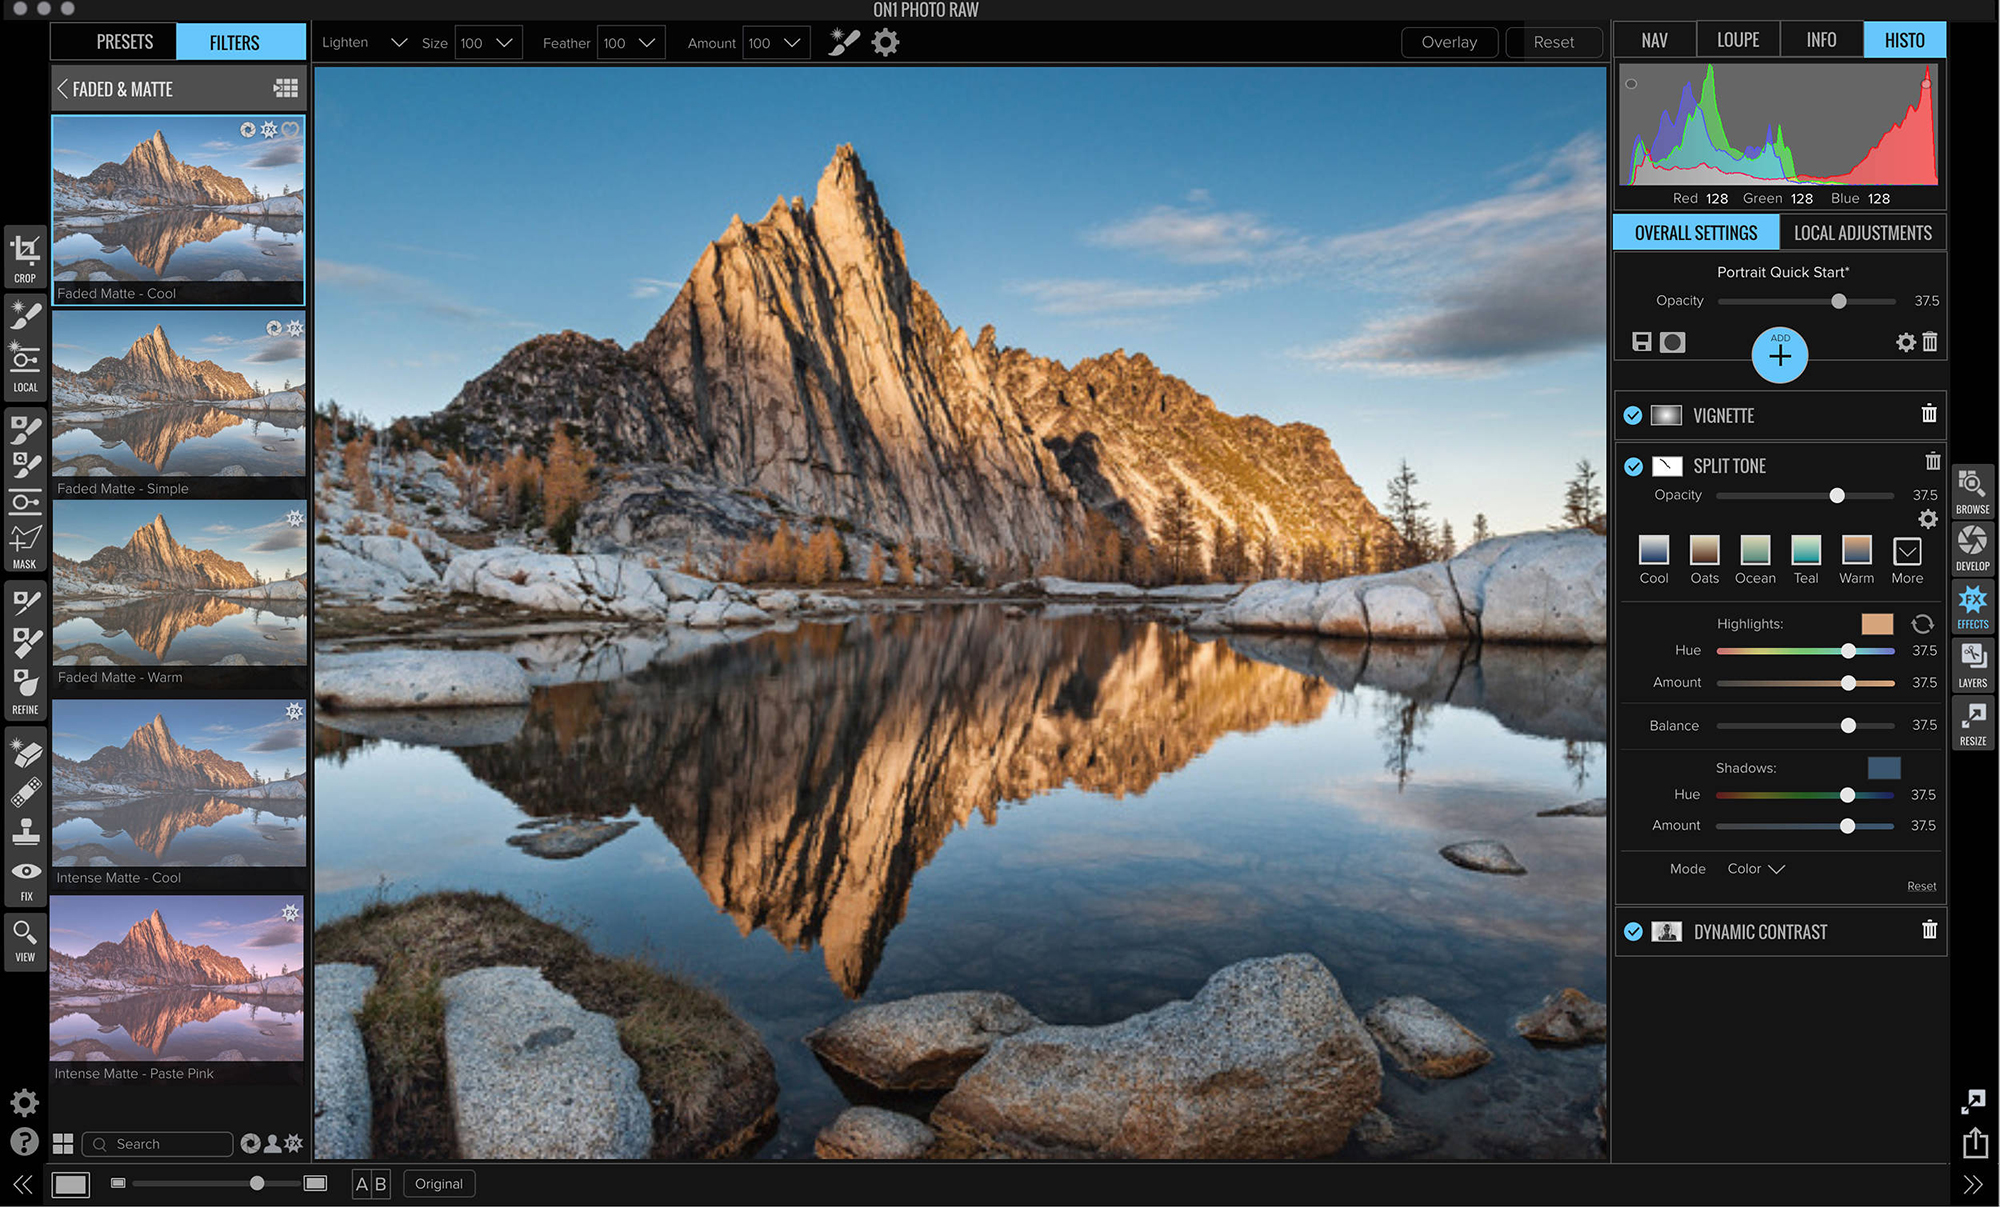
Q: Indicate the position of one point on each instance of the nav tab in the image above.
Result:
(1693, 232)
(1739, 39)
(1903, 39)
(1451, 42)
(1821, 39)
(240, 41)
(1667, 39)
(109, 41)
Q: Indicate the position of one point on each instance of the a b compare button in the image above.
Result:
(438, 1184)
(1450, 42)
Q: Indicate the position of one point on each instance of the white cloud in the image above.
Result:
(1190, 235)
(1100, 297)
(392, 287)
(651, 287)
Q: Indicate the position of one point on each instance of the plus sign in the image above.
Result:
(1779, 356)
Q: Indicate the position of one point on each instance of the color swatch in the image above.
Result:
(1705, 549)
(1857, 549)
(1654, 549)
(1755, 549)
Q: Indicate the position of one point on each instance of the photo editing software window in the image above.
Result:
(597, 590)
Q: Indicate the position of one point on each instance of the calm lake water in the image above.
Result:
(190, 1024)
(200, 245)
(196, 628)
(1091, 814)
(182, 828)
(189, 439)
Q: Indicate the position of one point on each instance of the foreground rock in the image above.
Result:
(1593, 808)
(342, 1112)
(533, 1075)
(568, 838)
(1424, 1038)
(921, 1043)
(1266, 1061)
(1484, 855)
(870, 1133)
(1568, 1016)
(1532, 587)
(410, 679)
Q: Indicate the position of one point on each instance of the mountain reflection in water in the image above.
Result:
(261, 631)
(272, 444)
(807, 777)
(153, 238)
(262, 1027)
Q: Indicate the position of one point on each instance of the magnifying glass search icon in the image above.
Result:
(22, 929)
(97, 1143)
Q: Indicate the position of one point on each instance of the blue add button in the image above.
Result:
(239, 41)
(1902, 39)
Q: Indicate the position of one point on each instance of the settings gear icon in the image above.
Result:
(885, 42)
(1906, 342)
(1927, 518)
(25, 1102)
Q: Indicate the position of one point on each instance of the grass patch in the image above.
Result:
(705, 1072)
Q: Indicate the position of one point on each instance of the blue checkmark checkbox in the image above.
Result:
(1634, 931)
(1634, 467)
(1633, 415)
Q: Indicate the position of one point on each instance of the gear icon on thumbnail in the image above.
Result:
(248, 130)
(269, 130)
(295, 518)
(295, 329)
(274, 328)
(290, 913)
(885, 42)
(1927, 518)
(25, 1102)
(294, 711)
(1906, 342)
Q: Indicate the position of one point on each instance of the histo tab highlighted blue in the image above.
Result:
(1698, 232)
(1902, 39)
(240, 41)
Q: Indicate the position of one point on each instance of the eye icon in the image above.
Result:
(26, 872)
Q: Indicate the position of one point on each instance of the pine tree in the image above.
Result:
(1480, 529)
(1180, 535)
(906, 566)
(565, 488)
(875, 568)
(1407, 518)
(1447, 544)
(1583, 500)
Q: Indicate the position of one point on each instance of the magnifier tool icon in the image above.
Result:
(22, 929)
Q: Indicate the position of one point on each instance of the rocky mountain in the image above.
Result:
(153, 556)
(148, 953)
(153, 761)
(152, 171)
(153, 371)
(802, 366)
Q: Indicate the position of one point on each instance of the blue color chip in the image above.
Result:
(1885, 767)
(1779, 355)
(1902, 39)
(239, 41)
(1693, 232)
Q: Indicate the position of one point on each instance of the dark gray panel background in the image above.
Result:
(1833, 113)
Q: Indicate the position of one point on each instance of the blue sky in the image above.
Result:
(255, 733)
(78, 143)
(235, 339)
(250, 531)
(1410, 259)
(251, 928)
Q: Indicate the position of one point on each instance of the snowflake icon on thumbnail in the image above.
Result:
(295, 518)
(295, 328)
(270, 130)
(294, 711)
(290, 912)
